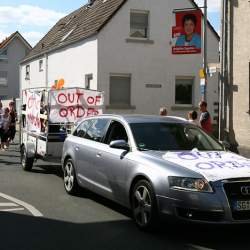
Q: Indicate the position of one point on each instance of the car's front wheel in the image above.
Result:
(69, 177)
(144, 206)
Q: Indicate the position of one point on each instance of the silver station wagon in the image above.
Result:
(158, 166)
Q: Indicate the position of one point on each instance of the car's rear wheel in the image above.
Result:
(69, 177)
(144, 206)
(26, 162)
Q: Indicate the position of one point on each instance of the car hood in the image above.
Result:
(213, 165)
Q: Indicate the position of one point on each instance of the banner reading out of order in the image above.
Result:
(33, 103)
(70, 105)
(187, 32)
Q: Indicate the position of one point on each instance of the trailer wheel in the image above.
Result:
(27, 163)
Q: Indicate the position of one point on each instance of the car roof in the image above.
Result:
(145, 118)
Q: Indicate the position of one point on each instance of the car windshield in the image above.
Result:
(172, 137)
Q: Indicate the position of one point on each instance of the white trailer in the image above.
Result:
(47, 116)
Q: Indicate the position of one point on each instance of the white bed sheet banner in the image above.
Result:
(33, 103)
(71, 105)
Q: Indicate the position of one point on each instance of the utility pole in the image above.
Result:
(205, 68)
(222, 72)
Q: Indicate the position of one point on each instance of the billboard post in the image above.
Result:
(204, 96)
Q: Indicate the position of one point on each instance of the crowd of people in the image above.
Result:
(8, 118)
(204, 120)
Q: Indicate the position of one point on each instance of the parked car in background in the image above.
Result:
(158, 166)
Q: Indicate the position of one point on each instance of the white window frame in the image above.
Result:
(136, 11)
(88, 79)
(193, 90)
(40, 65)
(27, 72)
(4, 55)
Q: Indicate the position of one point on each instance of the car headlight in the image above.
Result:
(189, 184)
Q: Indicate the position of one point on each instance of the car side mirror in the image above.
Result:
(119, 144)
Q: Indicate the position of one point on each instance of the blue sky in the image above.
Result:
(33, 19)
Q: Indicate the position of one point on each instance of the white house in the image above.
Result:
(97, 47)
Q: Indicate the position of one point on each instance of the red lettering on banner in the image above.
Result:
(63, 112)
(77, 112)
(69, 98)
(98, 99)
(60, 100)
(33, 101)
(92, 111)
(35, 121)
(73, 98)
(80, 112)
(71, 110)
(91, 100)
(78, 96)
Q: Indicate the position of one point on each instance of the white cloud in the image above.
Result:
(33, 37)
(29, 15)
(3, 35)
(213, 5)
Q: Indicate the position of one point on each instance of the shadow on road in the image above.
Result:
(46, 169)
(6, 162)
(26, 232)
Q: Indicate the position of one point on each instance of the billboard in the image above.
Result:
(187, 32)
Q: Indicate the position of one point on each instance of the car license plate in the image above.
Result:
(242, 205)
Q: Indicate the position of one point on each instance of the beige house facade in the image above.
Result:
(236, 74)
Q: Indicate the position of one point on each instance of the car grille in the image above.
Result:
(233, 192)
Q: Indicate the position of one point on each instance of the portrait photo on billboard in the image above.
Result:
(187, 32)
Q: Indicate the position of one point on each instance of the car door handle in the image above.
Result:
(98, 155)
(76, 148)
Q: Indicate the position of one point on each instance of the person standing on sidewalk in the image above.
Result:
(5, 121)
(193, 118)
(163, 111)
(1, 115)
(13, 118)
(205, 118)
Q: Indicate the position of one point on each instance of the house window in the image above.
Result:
(88, 80)
(184, 90)
(27, 72)
(40, 65)
(3, 78)
(4, 55)
(139, 24)
(120, 86)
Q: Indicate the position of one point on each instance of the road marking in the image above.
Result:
(11, 209)
(29, 207)
(8, 204)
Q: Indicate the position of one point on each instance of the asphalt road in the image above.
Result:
(87, 221)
